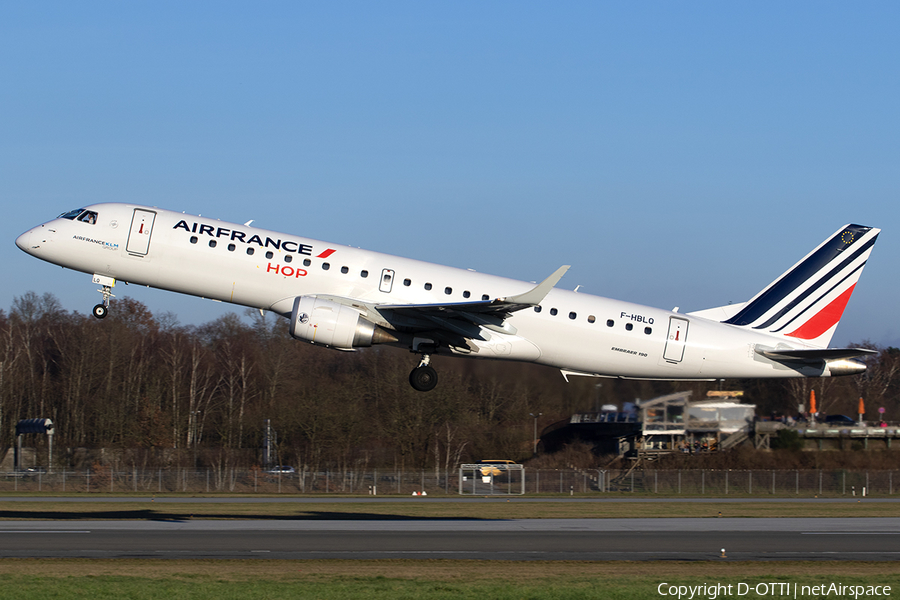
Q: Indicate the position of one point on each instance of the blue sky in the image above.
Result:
(675, 154)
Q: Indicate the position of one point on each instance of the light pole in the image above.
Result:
(535, 438)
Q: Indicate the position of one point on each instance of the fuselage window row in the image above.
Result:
(591, 319)
(364, 273)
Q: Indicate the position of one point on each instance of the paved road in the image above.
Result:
(527, 539)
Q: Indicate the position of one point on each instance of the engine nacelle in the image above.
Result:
(332, 324)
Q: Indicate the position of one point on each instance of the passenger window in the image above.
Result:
(269, 254)
(363, 274)
(231, 247)
(212, 243)
(448, 290)
(648, 330)
(193, 239)
(573, 316)
(306, 262)
(407, 282)
(427, 286)
(288, 258)
(628, 326)
(345, 270)
(610, 323)
(554, 312)
(250, 251)
(537, 308)
(466, 294)
(485, 297)
(592, 319)
(325, 266)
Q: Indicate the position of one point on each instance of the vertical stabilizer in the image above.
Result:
(806, 302)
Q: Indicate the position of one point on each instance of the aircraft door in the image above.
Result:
(387, 280)
(678, 329)
(141, 228)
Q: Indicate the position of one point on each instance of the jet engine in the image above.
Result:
(328, 323)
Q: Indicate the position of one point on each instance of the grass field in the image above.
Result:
(376, 580)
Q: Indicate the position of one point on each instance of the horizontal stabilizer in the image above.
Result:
(816, 354)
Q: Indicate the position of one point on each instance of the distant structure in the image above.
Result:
(671, 423)
(34, 426)
(675, 424)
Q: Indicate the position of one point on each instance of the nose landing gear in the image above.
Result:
(101, 310)
(423, 378)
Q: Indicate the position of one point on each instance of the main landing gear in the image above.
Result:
(101, 310)
(423, 378)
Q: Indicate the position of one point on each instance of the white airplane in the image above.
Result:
(347, 298)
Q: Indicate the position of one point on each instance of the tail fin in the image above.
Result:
(806, 303)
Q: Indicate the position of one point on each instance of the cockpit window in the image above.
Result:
(88, 217)
(71, 214)
(79, 214)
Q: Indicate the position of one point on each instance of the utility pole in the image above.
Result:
(535, 438)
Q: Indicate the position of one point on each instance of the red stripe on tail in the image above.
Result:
(825, 319)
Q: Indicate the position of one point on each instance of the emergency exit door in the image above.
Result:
(141, 228)
(387, 280)
(678, 329)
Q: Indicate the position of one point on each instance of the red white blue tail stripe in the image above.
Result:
(806, 302)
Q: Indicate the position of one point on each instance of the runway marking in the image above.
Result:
(39, 531)
(850, 533)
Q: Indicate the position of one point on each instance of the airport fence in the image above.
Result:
(683, 482)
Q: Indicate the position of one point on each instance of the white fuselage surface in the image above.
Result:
(431, 308)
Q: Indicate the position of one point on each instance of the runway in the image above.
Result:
(762, 539)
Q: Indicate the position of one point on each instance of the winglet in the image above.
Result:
(536, 295)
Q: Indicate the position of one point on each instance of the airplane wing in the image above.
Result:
(458, 321)
(498, 307)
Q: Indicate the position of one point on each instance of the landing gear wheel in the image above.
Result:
(100, 311)
(423, 378)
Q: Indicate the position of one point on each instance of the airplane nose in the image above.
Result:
(24, 241)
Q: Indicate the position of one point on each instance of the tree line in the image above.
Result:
(194, 394)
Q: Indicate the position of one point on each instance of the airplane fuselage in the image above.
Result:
(244, 265)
